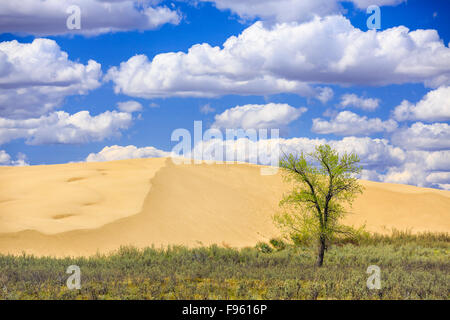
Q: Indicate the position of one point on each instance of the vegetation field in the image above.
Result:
(412, 267)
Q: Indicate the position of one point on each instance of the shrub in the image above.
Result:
(278, 244)
(413, 266)
(263, 247)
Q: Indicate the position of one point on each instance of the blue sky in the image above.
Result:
(407, 148)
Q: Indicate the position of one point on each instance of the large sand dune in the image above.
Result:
(85, 208)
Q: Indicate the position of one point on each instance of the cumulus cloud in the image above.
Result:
(409, 173)
(363, 4)
(349, 123)
(324, 94)
(422, 136)
(129, 106)
(352, 100)
(61, 127)
(4, 157)
(278, 10)
(290, 10)
(6, 160)
(189, 75)
(36, 77)
(255, 116)
(435, 160)
(438, 177)
(289, 57)
(97, 16)
(375, 154)
(126, 152)
(381, 160)
(420, 168)
(434, 106)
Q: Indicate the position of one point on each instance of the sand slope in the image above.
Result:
(84, 208)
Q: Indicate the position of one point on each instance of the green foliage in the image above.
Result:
(412, 267)
(278, 244)
(323, 182)
(263, 247)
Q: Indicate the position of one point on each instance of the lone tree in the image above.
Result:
(321, 188)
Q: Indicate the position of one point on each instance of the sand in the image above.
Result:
(81, 209)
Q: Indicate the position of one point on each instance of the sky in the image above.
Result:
(117, 85)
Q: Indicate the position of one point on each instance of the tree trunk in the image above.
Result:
(321, 253)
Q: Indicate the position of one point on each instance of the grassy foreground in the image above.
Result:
(412, 267)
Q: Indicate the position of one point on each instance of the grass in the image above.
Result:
(412, 267)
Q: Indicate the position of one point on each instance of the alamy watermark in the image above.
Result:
(374, 280)
(74, 281)
(237, 145)
(73, 21)
(374, 21)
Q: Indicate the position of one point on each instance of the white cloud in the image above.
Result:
(36, 77)
(434, 106)
(381, 160)
(375, 154)
(349, 123)
(61, 127)
(363, 4)
(325, 94)
(352, 100)
(255, 116)
(4, 157)
(49, 17)
(278, 10)
(6, 160)
(289, 57)
(422, 136)
(421, 168)
(128, 152)
(436, 160)
(438, 177)
(129, 106)
(409, 173)
(186, 75)
(291, 10)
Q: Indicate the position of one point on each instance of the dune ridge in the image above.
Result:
(81, 209)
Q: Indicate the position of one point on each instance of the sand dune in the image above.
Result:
(85, 208)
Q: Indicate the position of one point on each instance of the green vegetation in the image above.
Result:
(324, 182)
(412, 267)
